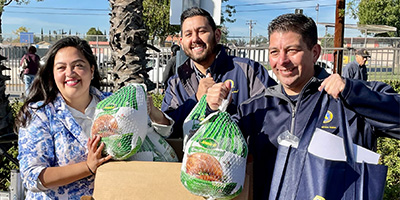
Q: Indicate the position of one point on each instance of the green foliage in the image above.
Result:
(7, 165)
(382, 12)
(227, 14)
(395, 84)
(93, 33)
(157, 99)
(156, 18)
(390, 156)
(327, 41)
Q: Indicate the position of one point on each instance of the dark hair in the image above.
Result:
(298, 23)
(196, 11)
(44, 87)
(32, 49)
(175, 48)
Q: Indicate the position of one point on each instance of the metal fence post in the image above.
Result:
(16, 187)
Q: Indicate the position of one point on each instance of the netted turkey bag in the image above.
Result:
(121, 121)
(193, 120)
(155, 148)
(215, 156)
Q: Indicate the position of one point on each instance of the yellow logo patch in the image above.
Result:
(318, 198)
(232, 85)
(328, 117)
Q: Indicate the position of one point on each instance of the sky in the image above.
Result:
(80, 15)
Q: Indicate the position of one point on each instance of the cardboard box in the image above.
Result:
(146, 180)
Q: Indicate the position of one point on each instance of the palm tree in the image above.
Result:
(128, 41)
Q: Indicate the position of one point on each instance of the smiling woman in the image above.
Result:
(56, 154)
(73, 74)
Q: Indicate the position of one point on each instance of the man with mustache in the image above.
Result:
(281, 114)
(208, 64)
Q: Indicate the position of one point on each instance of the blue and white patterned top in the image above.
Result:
(53, 138)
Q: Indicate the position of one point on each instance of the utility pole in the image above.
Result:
(339, 32)
(317, 9)
(250, 23)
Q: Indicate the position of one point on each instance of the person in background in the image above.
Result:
(57, 156)
(373, 108)
(33, 64)
(208, 64)
(357, 68)
(170, 68)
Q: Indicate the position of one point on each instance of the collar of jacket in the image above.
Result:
(310, 88)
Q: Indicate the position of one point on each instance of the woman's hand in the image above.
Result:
(94, 158)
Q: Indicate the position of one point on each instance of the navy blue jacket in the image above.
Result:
(355, 71)
(369, 107)
(248, 79)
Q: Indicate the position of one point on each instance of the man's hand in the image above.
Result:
(204, 84)
(217, 93)
(333, 85)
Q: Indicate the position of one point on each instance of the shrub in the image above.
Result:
(7, 165)
(390, 156)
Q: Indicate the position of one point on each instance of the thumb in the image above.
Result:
(228, 88)
(228, 85)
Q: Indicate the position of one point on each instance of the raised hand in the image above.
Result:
(217, 93)
(333, 85)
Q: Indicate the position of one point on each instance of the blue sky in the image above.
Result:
(80, 15)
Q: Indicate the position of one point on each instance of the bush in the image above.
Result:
(5, 171)
(390, 156)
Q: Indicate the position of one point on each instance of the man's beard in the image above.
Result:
(204, 57)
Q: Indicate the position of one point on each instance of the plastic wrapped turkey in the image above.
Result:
(121, 121)
(214, 161)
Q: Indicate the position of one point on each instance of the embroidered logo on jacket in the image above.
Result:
(328, 117)
(232, 86)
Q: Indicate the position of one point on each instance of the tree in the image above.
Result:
(128, 41)
(259, 40)
(23, 29)
(97, 35)
(156, 18)
(327, 41)
(228, 14)
(4, 3)
(383, 12)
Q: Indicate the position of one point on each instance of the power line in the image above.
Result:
(269, 9)
(62, 8)
(275, 2)
(49, 13)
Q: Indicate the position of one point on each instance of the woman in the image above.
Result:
(32, 62)
(57, 156)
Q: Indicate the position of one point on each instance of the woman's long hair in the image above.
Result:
(44, 87)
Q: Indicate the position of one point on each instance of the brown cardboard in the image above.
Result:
(146, 180)
(140, 180)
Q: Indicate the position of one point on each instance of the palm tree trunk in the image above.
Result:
(128, 41)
